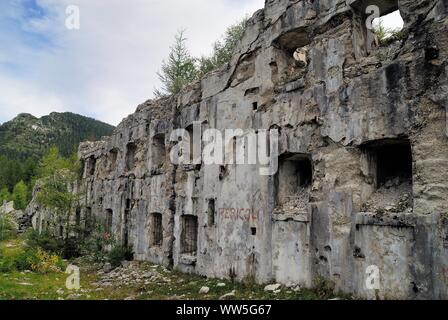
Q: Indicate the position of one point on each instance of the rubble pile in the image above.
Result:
(298, 204)
(394, 196)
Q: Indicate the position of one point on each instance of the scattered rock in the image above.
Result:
(394, 196)
(107, 267)
(272, 287)
(74, 297)
(60, 291)
(221, 284)
(296, 205)
(125, 264)
(228, 296)
(204, 290)
(106, 284)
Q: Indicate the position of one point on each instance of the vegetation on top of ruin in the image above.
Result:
(385, 35)
(181, 68)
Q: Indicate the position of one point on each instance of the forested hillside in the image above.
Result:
(26, 139)
(29, 137)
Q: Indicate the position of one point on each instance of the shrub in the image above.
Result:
(44, 240)
(46, 262)
(7, 228)
(38, 260)
(386, 35)
(25, 260)
(71, 248)
(324, 287)
(6, 264)
(95, 244)
(119, 254)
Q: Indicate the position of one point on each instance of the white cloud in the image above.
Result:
(21, 97)
(109, 66)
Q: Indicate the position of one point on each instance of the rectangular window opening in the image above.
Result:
(211, 212)
(293, 184)
(108, 222)
(253, 231)
(189, 236)
(157, 230)
(130, 156)
(390, 167)
(158, 151)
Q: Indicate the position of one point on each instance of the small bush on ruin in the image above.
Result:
(120, 253)
(386, 36)
(94, 244)
(324, 287)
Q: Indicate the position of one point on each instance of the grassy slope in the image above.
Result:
(30, 286)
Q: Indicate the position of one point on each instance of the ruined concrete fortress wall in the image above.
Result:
(362, 185)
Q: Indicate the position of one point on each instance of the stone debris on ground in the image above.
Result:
(228, 296)
(133, 274)
(394, 197)
(272, 287)
(298, 204)
(107, 267)
(204, 290)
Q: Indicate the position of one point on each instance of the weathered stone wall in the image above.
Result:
(7, 207)
(369, 121)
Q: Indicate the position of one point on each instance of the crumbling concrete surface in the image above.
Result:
(369, 122)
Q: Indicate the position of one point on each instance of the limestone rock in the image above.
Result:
(272, 287)
(204, 290)
(228, 296)
(107, 267)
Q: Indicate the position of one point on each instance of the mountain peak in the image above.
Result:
(27, 136)
(25, 116)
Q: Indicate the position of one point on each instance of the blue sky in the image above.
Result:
(105, 69)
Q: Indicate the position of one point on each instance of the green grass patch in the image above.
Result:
(25, 285)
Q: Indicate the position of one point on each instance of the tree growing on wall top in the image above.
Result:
(180, 68)
(224, 49)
